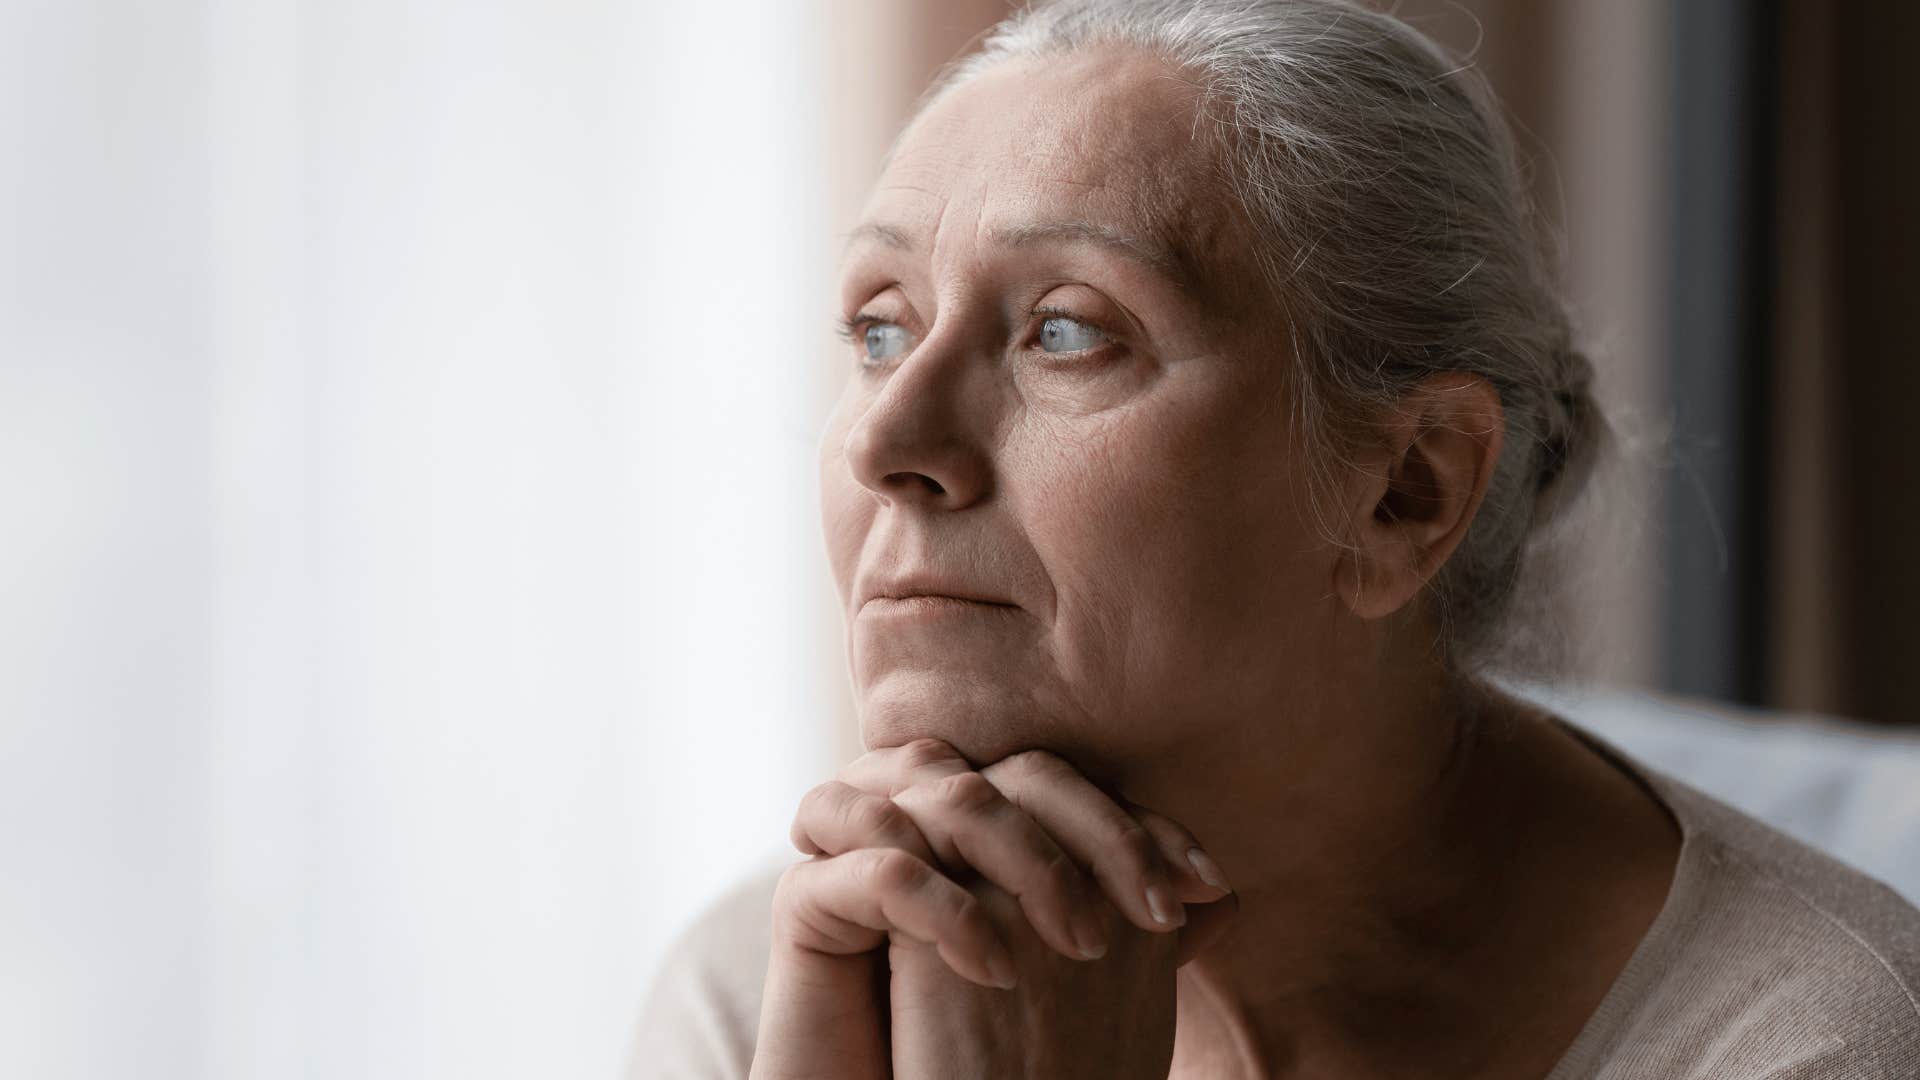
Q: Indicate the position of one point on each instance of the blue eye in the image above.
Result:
(884, 341)
(1061, 334)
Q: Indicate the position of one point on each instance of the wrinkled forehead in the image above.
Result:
(1109, 141)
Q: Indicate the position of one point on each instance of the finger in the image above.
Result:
(847, 904)
(1125, 858)
(1206, 925)
(1197, 878)
(837, 817)
(965, 815)
(891, 769)
(968, 824)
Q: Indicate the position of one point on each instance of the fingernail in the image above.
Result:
(1089, 936)
(1001, 969)
(1164, 910)
(1208, 870)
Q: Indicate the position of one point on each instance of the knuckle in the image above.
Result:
(892, 870)
(1136, 846)
(1166, 826)
(970, 914)
(965, 791)
(800, 831)
(786, 884)
(816, 799)
(1062, 873)
(1037, 764)
(1028, 771)
(923, 752)
(788, 889)
(875, 816)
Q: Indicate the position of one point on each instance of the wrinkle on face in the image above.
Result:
(1138, 502)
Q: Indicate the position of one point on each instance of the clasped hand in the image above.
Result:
(1008, 921)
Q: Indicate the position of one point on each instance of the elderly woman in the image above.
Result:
(1207, 392)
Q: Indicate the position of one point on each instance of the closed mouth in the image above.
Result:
(937, 599)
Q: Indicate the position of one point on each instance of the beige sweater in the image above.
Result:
(1770, 959)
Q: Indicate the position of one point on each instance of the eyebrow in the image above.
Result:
(1154, 256)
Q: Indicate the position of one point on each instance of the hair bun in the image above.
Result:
(1572, 428)
(1557, 439)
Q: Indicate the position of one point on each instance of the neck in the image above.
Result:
(1363, 845)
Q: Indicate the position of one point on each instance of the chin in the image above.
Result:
(980, 720)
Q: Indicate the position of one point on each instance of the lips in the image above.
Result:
(932, 590)
(935, 599)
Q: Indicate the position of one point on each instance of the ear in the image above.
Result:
(1418, 489)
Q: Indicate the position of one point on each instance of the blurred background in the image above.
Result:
(413, 611)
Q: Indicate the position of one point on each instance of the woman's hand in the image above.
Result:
(895, 837)
(1112, 1019)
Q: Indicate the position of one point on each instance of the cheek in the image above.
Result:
(1171, 532)
(844, 519)
(846, 510)
(1080, 394)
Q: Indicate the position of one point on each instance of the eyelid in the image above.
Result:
(870, 310)
(850, 327)
(1048, 311)
(1045, 312)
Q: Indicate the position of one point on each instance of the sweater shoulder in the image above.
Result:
(703, 1011)
(1771, 958)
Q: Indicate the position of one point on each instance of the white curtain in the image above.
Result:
(413, 609)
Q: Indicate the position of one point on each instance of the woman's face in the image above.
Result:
(1064, 398)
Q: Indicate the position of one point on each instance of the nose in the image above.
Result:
(922, 436)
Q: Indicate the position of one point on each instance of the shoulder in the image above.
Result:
(1770, 958)
(1851, 942)
(1785, 961)
(701, 1016)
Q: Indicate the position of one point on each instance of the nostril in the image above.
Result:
(933, 486)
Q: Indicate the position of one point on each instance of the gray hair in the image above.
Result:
(1396, 233)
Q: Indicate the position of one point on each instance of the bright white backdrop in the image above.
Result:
(410, 598)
